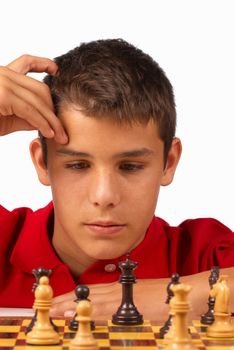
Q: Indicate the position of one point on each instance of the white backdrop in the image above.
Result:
(193, 42)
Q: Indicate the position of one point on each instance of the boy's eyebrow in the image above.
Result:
(71, 152)
(142, 152)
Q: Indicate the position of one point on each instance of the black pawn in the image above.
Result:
(127, 313)
(208, 317)
(82, 293)
(38, 273)
(174, 280)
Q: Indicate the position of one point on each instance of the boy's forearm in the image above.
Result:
(149, 297)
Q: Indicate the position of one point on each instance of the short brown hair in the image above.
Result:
(112, 78)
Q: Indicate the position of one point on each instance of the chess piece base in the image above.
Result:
(222, 327)
(83, 342)
(44, 336)
(207, 319)
(127, 320)
(182, 344)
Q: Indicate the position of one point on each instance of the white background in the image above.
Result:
(192, 41)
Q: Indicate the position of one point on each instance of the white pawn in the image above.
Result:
(43, 332)
(180, 306)
(84, 337)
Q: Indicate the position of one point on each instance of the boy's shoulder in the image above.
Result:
(13, 222)
(198, 226)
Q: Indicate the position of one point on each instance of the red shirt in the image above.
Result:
(25, 244)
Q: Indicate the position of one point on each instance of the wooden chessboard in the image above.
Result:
(109, 336)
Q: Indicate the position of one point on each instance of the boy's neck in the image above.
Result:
(75, 260)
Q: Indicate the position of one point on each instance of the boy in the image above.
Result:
(106, 117)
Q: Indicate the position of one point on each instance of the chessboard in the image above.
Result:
(109, 336)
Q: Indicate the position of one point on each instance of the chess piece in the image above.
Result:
(180, 307)
(174, 281)
(208, 317)
(43, 332)
(222, 326)
(84, 338)
(82, 293)
(127, 313)
(38, 273)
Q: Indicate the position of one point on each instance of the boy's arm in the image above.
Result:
(149, 297)
(25, 103)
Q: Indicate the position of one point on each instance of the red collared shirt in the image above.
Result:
(25, 244)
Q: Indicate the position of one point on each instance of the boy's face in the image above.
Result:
(105, 184)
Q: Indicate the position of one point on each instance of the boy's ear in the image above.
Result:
(37, 158)
(172, 161)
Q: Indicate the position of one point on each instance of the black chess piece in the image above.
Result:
(82, 293)
(38, 273)
(127, 313)
(208, 317)
(174, 280)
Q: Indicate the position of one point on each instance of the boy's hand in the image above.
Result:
(25, 103)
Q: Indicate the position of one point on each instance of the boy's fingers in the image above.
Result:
(47, 117)
(32, 116)
(59, 309)
(28, 63)
(9, 77)
(26, 103)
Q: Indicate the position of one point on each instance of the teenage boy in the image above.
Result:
(106, 119)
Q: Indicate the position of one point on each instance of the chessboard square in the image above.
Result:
(101, 329)
(198, 343)
(21, 335)
(192, 329)
(104, 343)
(132, 342)
(7, 335)
(26, 322)
(195, 336)
(99, 335)
(20, 342)
(7, 342)
(156, 329)
(198, 324)
(59, 322)
(141, 336)
(130, 329)
(160, 343)
(39, 347)
(68, 335)
(9, 329)
(133, 348)
(10, 321)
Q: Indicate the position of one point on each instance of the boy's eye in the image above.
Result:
(78, 165)
(131, 166)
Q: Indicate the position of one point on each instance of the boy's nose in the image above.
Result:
(104, 191)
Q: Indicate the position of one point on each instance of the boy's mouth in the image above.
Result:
(105, 227)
